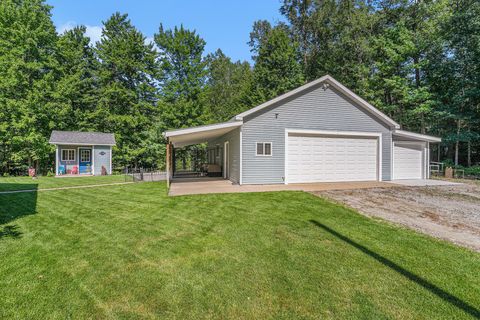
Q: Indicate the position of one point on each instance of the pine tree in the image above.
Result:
(182, 77)
(28, 71)
(77, 88)
(127, 103)
(277, 69)
(228, 83)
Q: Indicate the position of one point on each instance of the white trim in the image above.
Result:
(377, 135)
(379, 155)
(67, 160)
(428, 160)
(264, 155)
(226, 160)
(335, 132)
(412, 135)
(240, 178)
(111, 161)
(285, 178)
(93, 159)
(81, 144)
(216, 126)
(334, 83)
(56, 160)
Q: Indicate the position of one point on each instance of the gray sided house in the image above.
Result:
(82, 153)
(319, 132)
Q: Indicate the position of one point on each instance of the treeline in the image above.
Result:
(418, 61)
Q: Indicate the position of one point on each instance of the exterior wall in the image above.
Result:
(233, 138)
(68, 164)
(97, 159)
(315, 109)
(101, 157)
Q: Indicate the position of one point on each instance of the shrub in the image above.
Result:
(50, 174)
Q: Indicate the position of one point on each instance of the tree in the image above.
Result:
(127, 102)
(182, 76)
(277, 69)
(28, 71)
(228, 83)
(455, 76)
(77, 88)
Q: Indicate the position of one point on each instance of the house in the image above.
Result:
(319, 132)
(82, 153)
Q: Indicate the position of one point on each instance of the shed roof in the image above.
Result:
(82, 138)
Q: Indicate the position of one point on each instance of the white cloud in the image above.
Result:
(93, 32)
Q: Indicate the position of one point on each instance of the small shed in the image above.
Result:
(82, 153)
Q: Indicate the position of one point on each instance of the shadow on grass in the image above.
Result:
(407, 274)
(14, 206)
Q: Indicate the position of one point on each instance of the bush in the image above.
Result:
(50, 174)
(472, 171)
(6, 174)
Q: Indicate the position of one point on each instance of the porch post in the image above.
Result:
(168, 162)
(56, 160)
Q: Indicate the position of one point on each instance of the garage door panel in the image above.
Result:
(326, 158)
(407, 161)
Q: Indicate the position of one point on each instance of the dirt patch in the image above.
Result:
(446, 212)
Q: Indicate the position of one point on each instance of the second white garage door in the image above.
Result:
(408, 160)
(331, 158)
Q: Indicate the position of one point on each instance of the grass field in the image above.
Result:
(131, 252)
(27, 183)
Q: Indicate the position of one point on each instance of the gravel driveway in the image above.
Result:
(446, 212)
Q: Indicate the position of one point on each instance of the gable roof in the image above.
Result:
(82, 138)
(337, 85)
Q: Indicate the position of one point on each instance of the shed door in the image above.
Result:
(408, 160)
(331, 158)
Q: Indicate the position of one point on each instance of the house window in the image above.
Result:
(264, 148)
(68, 154)
(85, 155)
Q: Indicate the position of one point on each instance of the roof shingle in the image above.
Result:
(78, 137)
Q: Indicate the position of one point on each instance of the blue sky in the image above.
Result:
(223, 24)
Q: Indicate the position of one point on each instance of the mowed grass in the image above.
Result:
(27, 183)
(131, 252)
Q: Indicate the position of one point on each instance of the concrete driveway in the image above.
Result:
(189, 186)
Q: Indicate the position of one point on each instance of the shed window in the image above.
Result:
(68, 155)
(264, 148)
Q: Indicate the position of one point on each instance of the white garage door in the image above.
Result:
(407, 161)
(331, 158)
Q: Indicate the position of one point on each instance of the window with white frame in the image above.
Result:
(85, 155)
(68, 154)
(264, 149)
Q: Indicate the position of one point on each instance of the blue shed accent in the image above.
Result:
(82, 153)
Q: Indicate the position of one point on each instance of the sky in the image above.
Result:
(222, 24)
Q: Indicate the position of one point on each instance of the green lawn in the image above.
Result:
(131, 252)
(27, 183)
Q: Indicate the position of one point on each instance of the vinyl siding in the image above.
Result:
(233, 138)
(101, 158)
(67, 164)
(98, 159)
(315, 109)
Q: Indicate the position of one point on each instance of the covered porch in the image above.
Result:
(207, 163)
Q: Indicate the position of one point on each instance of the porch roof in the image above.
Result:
(82, 138)
(194, 135)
